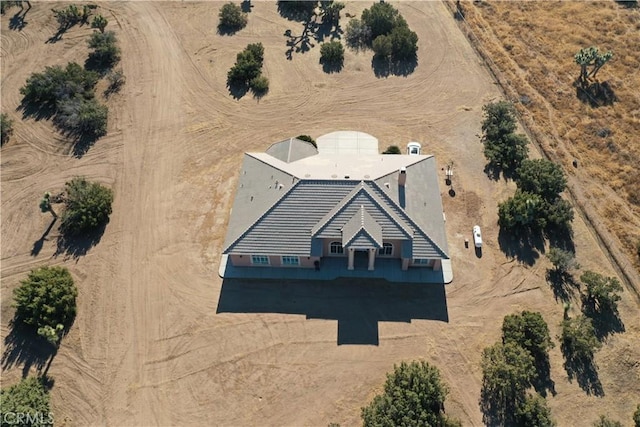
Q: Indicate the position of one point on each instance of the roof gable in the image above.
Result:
(362, 230)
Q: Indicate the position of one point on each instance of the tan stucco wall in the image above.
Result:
(274, 261)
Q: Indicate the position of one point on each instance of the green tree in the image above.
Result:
(529, 331)
(392, 149)
(558, 214)
(357, 34)
(507, 152)
(330, 11)
(636, 416)
(534, 412)
(604, 421)
(6, 128)
(82, 117)
(541, 177)
(105, 53)
(381, 18)
(46, 298)
(404, 42)
(522, 211)
(562, 260)
(29, 397)
(507, 371)
(88, 206)
(382, 47)
(259, 85)
(232, 18)
(590, 57)
(578, 339)
(602, 293)
(499, 120)
(332, 53)
(414, 395)
(248, 65)
(99, 22)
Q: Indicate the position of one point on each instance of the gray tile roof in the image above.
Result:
(279, 208)
(362, 231)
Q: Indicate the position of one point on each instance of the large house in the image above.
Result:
(338, 210)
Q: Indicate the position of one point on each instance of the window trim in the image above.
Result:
(336, 244)
(383, 250)
(266, 257)
(425, 262)
(296, 257)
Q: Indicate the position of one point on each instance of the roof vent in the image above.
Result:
(280, 186)
(346, 177)
(386, 184)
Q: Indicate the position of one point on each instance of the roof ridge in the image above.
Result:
(266, 212)
(424, 157)
(413, 223)
(337, 209)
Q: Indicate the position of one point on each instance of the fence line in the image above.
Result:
(606, 240)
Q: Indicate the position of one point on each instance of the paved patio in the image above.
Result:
(333, 268)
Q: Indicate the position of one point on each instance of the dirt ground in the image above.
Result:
(152, 344)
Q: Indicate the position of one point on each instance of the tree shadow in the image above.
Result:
(301, 43)
(82, 143)
(36, 111)
(93, 63)
(238, 89)
(523, 245)
(604, 322)
(23, 346)
(356, 304)
(498, 410)
(332, 66)
(583, 370)
(542, 381)
(227, 30)
(312, 31)
(383, 67)
(76, 246)
(562, 284)
(37, 245)
(493, 172)
(17, 21)
(561, 237)
(596, 94)
(628, 4)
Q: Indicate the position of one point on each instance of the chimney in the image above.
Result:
(402, 176)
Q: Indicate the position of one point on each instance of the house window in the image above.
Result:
(421, 261)
(290, 260)
(386, 249)
(336, 248)
(259, 260)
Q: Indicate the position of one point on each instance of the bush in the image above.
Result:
(381, 18)
(29, 397)
(99, 22)
(392, 149)
(88, 206)
(499, 120)
(502, 147)
(116, 80)
(636, 417)
(382, 47)
(541, 177)
(308, 139)
(413, 395)
(578, 339)
(83, 117)
(259, 85)
(57, 84)
(332, 53)
(562, 260)
(534, 412)
(529, 331)
(358, 34)
(232, 18)
(603, 421)
(6, 128)
(331, 11)
(404, 42)
(47, 298)
(106, 52)
(523, 211)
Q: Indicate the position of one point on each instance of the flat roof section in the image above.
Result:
(348, 142)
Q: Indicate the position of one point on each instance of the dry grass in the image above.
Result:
(532, 44)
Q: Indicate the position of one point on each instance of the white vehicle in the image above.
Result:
(413, 148)
(477, 236)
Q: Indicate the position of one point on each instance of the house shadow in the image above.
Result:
(357, 304)
(23, 346)
(525, 245)
(76, 246)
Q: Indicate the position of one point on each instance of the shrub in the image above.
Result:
(88, 206)
(99, 22)
(83, 117)
(382, 47)
(604, 421)
(521, 212)
(413, 395)
(636, 417)
(106, 52)
(116, 80)
(392, 149)
(47, 298)
(331, 11)
(404, 42)
(6, 128)
(528, 330)
(602, 293)
(259, 85)
(562, 260)
(308, 139)
(381, 18)
(332, 53)
(56, 84)
(232, 18)
(248, 68)
(578, 339)
(29, 397)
